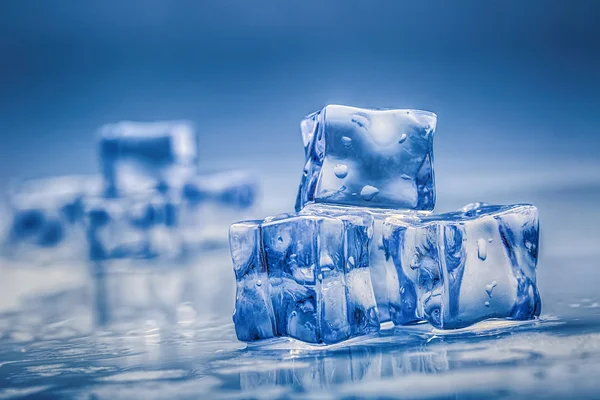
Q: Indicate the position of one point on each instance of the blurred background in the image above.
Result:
(514, 84)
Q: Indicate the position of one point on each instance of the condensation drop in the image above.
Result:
(368, 192)
(402, 138)
(259, 283)
(346, 141)
(482, 249)
(340, 171)
(487, 303)
(490, 240)
(489, 288)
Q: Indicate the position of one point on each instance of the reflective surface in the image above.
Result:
(52, 344)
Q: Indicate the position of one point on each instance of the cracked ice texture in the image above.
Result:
(459, 268)
(305, 276)
(147, 155)
(369, 158)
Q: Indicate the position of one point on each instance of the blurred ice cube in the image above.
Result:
(142, 155)
(44, 222)
(211, 202)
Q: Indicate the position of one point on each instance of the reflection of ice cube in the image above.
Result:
(137, 295)
(370, 158)
(143, 155)
(307, 274)
(459, 268)
(45, 218)
(211, 202)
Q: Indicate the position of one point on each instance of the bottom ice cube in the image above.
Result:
(305, 276)
(459, 268)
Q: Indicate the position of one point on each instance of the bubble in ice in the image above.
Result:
(368, 192)
(340, 171)
(351, 261)
(490, 287)
(346, 141)
(481, 249)
(402, 138)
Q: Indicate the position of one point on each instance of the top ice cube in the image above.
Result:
(367, 157)
(146, 155)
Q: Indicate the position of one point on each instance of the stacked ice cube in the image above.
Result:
(451, 270)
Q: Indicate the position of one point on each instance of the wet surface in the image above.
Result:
(167, 333)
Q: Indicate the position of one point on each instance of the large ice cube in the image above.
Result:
(366, 157)
(45, 218)
(211, 202)
(142, 155)
(383, 272)
(459, 268)
(304, 275)
(143, 226)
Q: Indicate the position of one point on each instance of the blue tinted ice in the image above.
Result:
(459, 268)
(140, 155)
(305, 276)
(370, 158)
(383, 272)
(45, 217)
(211, 202)
(138, 226)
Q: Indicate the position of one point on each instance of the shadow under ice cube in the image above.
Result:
(459, 268)
(367, 157)
(305, 276)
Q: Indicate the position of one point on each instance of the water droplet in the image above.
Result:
(402, 138)
(294, 313)
(259, 283)
(340, 171)
(280, 239)
(490, 240)
(487, 304)
(351, 261)
(481, 249)
(405, 177)
(490, 287)
(293, 256)
(368, 192)
(320, 277)
(346, 141)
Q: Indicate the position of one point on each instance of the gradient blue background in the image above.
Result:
(514, 83)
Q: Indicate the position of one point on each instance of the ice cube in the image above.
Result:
(459, 268)
(45, 218)
(211, 202)
(142, 226)
(370, 158)
(304, 275)
(383, 273)
(141, 155)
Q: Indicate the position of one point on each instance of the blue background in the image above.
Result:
(515, 84)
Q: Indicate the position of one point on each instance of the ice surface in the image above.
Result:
(45, 218)
(142, 155)
(459, 268)
(138, 226)
(304, 275)
(211, 202)
(366, 157)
